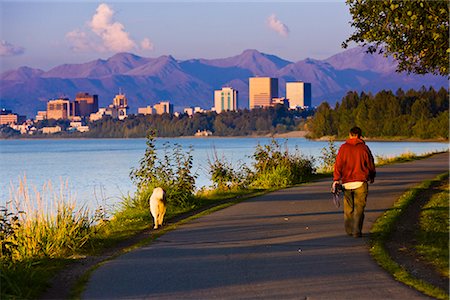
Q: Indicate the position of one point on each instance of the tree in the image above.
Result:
(415, 33)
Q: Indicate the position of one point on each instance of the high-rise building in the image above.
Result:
(225, 99)
(163, 107)
(299, 94)
(261, 91)
(120, 103)
(85, 104)
(59, 109)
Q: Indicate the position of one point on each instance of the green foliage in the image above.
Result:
(30, 234)
(275, 167)
(272, 167)
(414, 32)
(144, 175)
(225, 177)
(328, 157)
(171, 171)
(415, 114)
(7, 132)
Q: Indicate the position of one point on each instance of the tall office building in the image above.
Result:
(261, 91)
(163, 107)
(59, 109)
(85, 104)
(225, 99)
(299, 94)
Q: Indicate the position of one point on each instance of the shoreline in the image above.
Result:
(286, 135)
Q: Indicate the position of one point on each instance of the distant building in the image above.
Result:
(261, 91)
(225, 99)
(146, 110)
(41, 115)
(189, 111)
(51, 130)
(203, 133)
(119, 106)
(7, 117)
(163, 107)
(99, 115)
(198, 109)
(282, 101)
(59, 109)
(299, 94)
(78, 126)
(85, 104)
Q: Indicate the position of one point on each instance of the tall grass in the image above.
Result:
(273, 166)
(37, 226)
(406, 156)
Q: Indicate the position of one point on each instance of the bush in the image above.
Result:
(328, 157)
(225, 177)
(275, 167)
(172, 173)
(272, 168)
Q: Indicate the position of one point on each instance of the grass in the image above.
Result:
(433, 234)
(405, 157)
(36, 244)
(382, 229)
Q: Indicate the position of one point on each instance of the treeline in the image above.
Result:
(231, 123)
(245, 122)
(413, 114)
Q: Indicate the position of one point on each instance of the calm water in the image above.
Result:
(97, 170)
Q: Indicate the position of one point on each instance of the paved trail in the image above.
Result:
(288, 244)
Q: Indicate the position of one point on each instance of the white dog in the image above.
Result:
(158, 206)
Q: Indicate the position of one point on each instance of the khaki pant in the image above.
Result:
(354, 204)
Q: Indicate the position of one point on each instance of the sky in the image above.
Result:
(45, 34)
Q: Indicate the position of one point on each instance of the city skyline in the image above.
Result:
(46, 34)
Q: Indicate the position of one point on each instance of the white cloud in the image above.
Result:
(277, 25)
(80, 42)
(104, 34)
(8, 49)
(113, 34)
(146, 44)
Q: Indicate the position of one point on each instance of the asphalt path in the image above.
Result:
(288, 244)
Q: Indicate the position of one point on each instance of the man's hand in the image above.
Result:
(372, 180)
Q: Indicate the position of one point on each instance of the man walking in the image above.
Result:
(354, 167)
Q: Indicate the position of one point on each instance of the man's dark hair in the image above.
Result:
(356, 131)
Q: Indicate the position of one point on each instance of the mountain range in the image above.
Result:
(187, 83)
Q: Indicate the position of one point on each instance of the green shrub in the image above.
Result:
(272, 167)
(328, 157)
(275, 167)
(225, 177)
(172, 172)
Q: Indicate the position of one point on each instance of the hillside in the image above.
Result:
(147, 81)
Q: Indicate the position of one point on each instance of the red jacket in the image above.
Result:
(354, 162)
